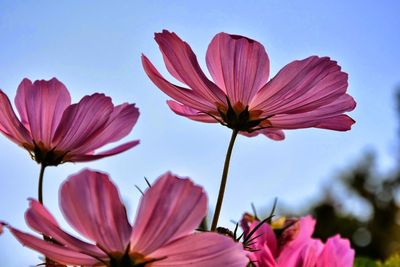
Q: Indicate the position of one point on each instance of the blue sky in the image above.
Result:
(95, 46)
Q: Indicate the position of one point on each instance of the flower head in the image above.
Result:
(162, 234)
(295, 247)
(54, 131)
(305, 93)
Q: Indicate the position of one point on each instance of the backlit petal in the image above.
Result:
(182, 95)
(191, 113)
(82, 122)
(119, 124)
(39, 219)
(201, 249)
(302, 86)
(91, 204)
(10, 126)
(41, 106)
(90, 156)
(238, 65)
(55, 252)
(182, 63)
(328, 116)
(170, 209)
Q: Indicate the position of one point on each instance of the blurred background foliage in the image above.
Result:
(377, 236)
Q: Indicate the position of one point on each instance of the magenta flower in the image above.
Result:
(162, 234)
(296, 247)
(305, 93)
(54, 131)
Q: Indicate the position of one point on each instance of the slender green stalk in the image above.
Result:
(40, 198)
(40, 187)
(223, 181)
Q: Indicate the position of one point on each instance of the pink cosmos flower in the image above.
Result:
(296, 247)
(305, 93)
(54, 131)
(162, 234)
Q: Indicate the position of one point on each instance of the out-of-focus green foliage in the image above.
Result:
(364, 262)
(378, 236)
(393, 261)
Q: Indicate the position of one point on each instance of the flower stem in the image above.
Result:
(40, 187)
(223, 181)
(43, 166)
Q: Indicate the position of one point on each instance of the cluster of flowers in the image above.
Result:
(305, 93)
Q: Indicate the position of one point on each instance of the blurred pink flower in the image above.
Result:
(296, 247)
(162, 234)
(305, 93)
(54, 131)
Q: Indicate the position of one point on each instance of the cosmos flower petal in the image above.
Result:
(337, 252)
(91, 204)
(301, 235)
(82, 121)
(201, 249)
(182, 95)
(328, 116)
(263, 257)
(170, 209)
(41, 106)
(239, 65)
(302, 86)
(337, 123)
(55, 252)
(265, 235)
(119, 124)
(272, 133)
(91, 156)
(182, 63)
(191, 113)
(304, 257)
(10, 126)
(40, 220)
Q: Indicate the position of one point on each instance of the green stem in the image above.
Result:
(223, 181)
(40, 187)
(40, 198)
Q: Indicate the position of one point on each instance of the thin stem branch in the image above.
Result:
(40, 187)
(223, 181)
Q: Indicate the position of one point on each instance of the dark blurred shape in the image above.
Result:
(378, 236)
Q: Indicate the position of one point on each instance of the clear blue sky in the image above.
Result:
(96, 46)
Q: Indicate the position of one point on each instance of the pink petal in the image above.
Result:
(337, 252)
(182, 63)
(83, 121)
(91, 204)
(328, 117)
(201, 249)
(272, 133)
(307, 256)
(90, 156)
(185, 96)
(337, 123)
(43, 222)
(55, 252)
(264, 235)
(239, 65)
(10, 126)
(41, 106)
(170, 209)
(301, 234)
(120, 123)
(190, 113)
(263, 257)
(302, 86)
